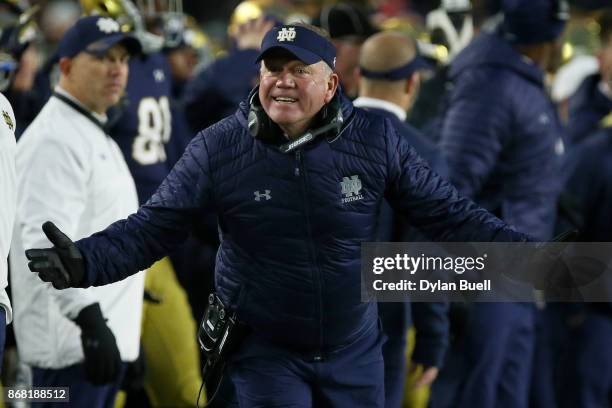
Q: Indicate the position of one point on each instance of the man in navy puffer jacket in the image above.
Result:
(498, 136)
(289, 260)
(216, 91)
(586, 372)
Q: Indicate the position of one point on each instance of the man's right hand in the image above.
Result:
(102, 359)
(63, 265)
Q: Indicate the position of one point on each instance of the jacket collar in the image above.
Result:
(345, 105)
(381, 105)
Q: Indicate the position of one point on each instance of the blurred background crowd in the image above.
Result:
(205, 54)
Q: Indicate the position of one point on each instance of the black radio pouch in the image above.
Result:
(219, 334)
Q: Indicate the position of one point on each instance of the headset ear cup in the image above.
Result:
(257, 118)
(332, 113)
(253, 122)
(259, 123)
(325, 113)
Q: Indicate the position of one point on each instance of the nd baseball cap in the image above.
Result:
(95, 35)
(304, 43)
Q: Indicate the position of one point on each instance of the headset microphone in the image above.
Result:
(335, 125)
(263, 128)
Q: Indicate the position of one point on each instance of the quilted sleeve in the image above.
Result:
(432, 204)
(474, 131)
(160, 225)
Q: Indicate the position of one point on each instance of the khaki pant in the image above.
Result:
(173, 376)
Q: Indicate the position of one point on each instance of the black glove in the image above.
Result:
(63, 265)
(547, 260)
(543, 264)
(102, 359)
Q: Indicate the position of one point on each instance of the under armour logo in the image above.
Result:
(351, 188)
(286, 34)
(259, 196)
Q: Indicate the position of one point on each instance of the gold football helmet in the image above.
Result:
(117, 9)
(253, 9)
(17, 30)
(131, 16)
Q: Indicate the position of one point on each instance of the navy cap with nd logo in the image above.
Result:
(95, 35)
(305, 44)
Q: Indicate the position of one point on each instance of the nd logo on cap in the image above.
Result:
(286, 34)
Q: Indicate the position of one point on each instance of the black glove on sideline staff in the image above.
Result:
(102, 359)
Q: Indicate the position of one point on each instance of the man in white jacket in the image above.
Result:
(15, 39)
(8, 192)
(71, 172)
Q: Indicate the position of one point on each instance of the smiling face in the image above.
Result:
(292, 93)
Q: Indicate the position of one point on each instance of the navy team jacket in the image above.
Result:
(291, 225)
(499, 134)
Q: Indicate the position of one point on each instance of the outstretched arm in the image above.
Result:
(433, 205)
(130, 245)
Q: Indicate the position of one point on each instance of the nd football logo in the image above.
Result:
(108, 25)
(8, 120)
(286, 34)
(351, 189)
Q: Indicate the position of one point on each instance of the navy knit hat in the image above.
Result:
(305, 44)
(534, 21)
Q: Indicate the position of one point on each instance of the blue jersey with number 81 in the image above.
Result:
(143, 128)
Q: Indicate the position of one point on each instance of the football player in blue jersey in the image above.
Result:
(142, 124)
(20, 60)
(216, 91)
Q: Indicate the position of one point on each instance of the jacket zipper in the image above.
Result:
(300, 172)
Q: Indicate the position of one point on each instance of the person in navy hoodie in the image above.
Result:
(499, 136)
(297, 179)
(592, 102)
(217, 90)
(586, 369)
(389, 70)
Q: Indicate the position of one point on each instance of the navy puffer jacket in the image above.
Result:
(499, 135)
(291, 225)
